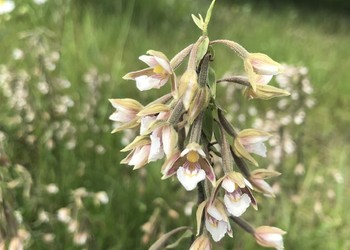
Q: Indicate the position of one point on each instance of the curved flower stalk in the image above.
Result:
(190, 128)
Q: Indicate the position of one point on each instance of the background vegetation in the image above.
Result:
(60, 62)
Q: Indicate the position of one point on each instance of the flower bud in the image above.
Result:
(269, 237)
(201, 243)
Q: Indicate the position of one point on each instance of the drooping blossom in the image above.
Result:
(216, 220)
(251, 141)
(163, 135)
(260, 69)
(125, 115)
(140, 153)
(156, 75)
(269, 237)
(201, 243)
(191, 167)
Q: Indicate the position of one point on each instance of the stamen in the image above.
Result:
(192, 156)
(158, 70)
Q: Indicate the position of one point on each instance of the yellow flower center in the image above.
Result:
(1, 2)
(192, 156)
(157, 69)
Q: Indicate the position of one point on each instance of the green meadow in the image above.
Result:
(62, 60)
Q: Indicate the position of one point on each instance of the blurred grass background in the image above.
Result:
(97, 43)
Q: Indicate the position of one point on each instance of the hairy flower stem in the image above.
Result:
(242, 80)
(163, 99)
(201, 192)
(243, 224)
(196, 129)
(227, 161)
(241, 164)
(242, 52)
(229, 129)
(179, 57)
(226, 124)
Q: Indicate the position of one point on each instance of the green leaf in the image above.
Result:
(212, 82)
(198, 21)
(208, 16)
(202, 50)
(208, 124)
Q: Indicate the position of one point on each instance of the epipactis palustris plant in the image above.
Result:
(188, 129)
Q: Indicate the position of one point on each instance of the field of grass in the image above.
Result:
(62, 60)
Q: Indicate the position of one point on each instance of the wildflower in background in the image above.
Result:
(6, 6)
(191, 167)
(156, 75)
(64, 215)
(251, 141)
(39, 2)
(269, 237)
(201, 243)
(260, 69)
(125, 115)
(216, 220)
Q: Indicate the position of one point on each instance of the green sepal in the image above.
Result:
(202, 50)
(208, 123)
(212, 82)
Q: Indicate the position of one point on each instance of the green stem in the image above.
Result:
(242, 52)
(243, 224)
(236, 79)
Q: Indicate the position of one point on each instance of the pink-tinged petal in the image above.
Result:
(146, 82)
(168, 164)
(256, 148)
(149, 60)
(121, 117)
(156, 151)
(169, 140)
(263, 79)
(189, 179)
(253, 139)
(145, 122)
(237, 207)
(269, 237)
(216, 229)
(228, 185)
(209, 171)
(214, 212)
(142, 72)
(139, 158)
(169, 171)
